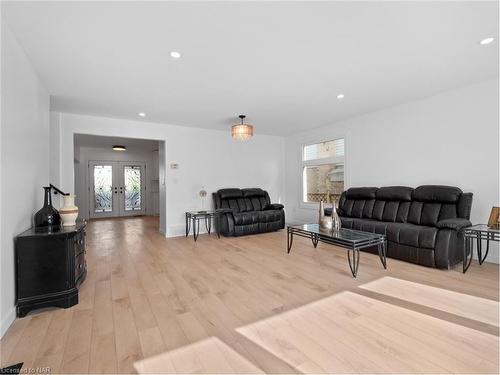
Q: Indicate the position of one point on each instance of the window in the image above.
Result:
(323, 171)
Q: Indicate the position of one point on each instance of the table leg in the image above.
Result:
(188, 225)
(208, 223)
(354, 263)
(382, 253)
(314, 239)
(479, 248)
(481, 260)
(196, 228)
(289, 240)
(467, 248)
(217, 225)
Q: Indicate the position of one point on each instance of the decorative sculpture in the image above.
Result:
(336, 223)
(331, 223)
(325, 222)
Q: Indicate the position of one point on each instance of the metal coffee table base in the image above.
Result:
(353, 249)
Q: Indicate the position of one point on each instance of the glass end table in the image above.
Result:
(193, 219)
(479, 232)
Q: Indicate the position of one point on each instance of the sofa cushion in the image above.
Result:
(415, 212)
(394, 193)
(403, 210)
(412, 235)
(361, 193)
(230, 193)
(368, 209)
(430, 213)
(253, 192)
(393, 230)
(245, 218)
(347, 207)
(231, 204)
(437, 193)
(269, 215)
(448, 211)
(374, 226)
(417, 236)
(390, 211)
(245, 204)
(357, 208)
(347, 222)
(258, 203)
(378, 210)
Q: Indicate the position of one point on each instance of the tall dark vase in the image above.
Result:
(48, 216)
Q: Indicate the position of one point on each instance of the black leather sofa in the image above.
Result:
(247, 211)
(422, 225)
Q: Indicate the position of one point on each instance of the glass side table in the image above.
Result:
(193, 219)
(478, 232)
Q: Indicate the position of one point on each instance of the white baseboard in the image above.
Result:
(7, 321)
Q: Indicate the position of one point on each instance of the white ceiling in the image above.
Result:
(281, 63)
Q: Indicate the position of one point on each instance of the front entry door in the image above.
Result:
(116, 188)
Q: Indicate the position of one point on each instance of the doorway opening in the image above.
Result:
(113, 183)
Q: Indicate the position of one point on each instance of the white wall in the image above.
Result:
(448, 139)
(208, 158)
(87, 154)
(24, 138)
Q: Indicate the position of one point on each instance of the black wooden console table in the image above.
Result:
(50, 266)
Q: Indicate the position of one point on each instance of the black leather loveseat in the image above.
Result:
(247, 211)
(422, 225)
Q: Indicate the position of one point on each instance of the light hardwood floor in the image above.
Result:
(242, 305)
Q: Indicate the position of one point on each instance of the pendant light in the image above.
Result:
(242, 131)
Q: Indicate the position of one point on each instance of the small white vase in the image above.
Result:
(69, 212)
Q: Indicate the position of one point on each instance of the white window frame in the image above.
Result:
(316, 162)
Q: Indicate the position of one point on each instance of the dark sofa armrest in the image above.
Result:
(456, 224)
(274, 206)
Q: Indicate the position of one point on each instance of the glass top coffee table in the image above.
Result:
(350, 239)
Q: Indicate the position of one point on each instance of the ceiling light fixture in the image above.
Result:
(119, 148)
(340, 96)
(175, 54)
(242, 131)
(141, 114)
(486, 41)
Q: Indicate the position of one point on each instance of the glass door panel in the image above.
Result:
(103, 188)
(133, 188)
(103, 195)
(132, 180)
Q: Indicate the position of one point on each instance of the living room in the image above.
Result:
(261, 187)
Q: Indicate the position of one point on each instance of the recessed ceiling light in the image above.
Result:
(175, 54)
(340, 96)
(141, 114)
(119, 148)
(486, 41)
